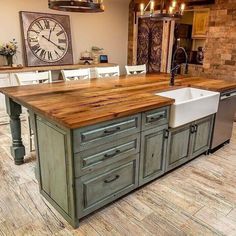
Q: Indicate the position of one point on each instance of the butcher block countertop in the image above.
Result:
(77, 104)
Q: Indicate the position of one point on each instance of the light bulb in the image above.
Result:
(142, 9)
(174, 3)
(171, 10)
(152, 6)
(182, 7)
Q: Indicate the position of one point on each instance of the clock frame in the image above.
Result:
(39, 48)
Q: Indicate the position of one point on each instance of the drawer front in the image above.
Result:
(94, 191)
(154, 118)
(98, 157)
(96, 135)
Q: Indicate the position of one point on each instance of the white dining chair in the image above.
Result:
(103, 72)
(134, 70)
(79, 74)
(33, 78)
(30, 78)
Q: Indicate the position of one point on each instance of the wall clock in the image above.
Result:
(46, 39)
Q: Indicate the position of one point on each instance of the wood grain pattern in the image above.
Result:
(196, 199)
(76, 104)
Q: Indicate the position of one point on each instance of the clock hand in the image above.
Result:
(49, 37)
(59, 47)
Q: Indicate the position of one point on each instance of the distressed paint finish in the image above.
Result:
(153, 154)
(196, 199)
(178, 147)
(202, 137)
(17, 149)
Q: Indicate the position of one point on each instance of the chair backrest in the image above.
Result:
(33, 78)
(133, 70)
(103, 72)
(79, 74)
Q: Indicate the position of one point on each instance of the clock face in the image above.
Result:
(47, 39)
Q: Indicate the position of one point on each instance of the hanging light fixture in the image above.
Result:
(89, 6)
(168, 10)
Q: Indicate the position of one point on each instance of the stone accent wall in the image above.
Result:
(220, 56)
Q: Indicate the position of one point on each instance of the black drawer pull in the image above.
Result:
(107, 181)
(112, 155)
(167, 133)
(154, 119)
(192, 129)
(112, 131)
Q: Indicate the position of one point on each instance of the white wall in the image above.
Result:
(108, 30)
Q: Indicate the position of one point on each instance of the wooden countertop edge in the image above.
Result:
(108, 117)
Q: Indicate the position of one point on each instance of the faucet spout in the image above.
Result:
(175, 67)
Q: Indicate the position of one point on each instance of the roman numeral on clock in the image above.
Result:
(60, 32)
(54, 27)
(61, 40)
(39, 25)
(50, 56)
(36, 48)
(43, 54)
(57, 54)
(47, 24)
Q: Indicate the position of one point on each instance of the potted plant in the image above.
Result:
(8, 50)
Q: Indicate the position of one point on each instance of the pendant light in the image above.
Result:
(168, 10)
(87, 6)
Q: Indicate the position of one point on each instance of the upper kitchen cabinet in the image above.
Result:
(200, 23)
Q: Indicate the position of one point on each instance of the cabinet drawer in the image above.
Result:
(105, 132)
(98, 157)
(94, 191)
(157, 117)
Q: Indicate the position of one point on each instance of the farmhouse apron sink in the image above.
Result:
(191, 104)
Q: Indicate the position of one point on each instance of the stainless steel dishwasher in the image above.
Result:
(224, 119)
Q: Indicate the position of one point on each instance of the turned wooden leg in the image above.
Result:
(17, 148)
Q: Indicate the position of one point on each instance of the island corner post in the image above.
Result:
(17, 149)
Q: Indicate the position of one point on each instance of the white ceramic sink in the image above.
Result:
(191, 104)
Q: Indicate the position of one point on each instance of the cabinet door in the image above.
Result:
(202, 136)
(178, 151)
(200, 24)
(153, 152)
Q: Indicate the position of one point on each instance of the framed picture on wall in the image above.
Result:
(46, 39)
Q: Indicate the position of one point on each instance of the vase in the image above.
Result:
(9, 60)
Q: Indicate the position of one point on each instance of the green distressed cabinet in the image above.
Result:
(188, 141)
(201, 137)
(81, 170)
(153, 153)
(178, 147)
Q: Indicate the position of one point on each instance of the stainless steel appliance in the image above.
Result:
(224, 119)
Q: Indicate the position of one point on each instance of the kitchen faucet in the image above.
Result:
(175, 67)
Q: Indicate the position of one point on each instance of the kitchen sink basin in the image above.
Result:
(191, 104)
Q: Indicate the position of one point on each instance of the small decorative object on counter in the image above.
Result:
(200, 55)
(96, 51)
(86, 58)
(8, 50)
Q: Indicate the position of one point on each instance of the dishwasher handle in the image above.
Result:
(228, 95)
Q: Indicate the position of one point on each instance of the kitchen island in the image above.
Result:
(98, 140)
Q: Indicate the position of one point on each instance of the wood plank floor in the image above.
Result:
(196, 199)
